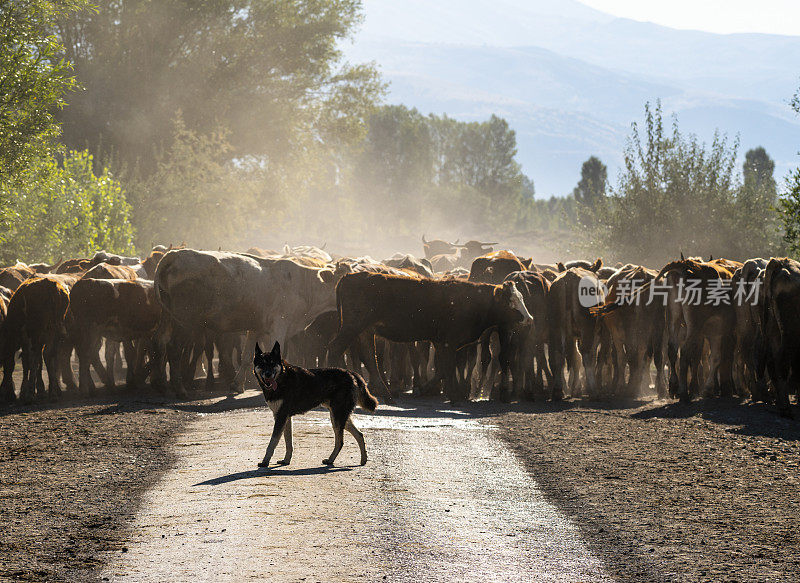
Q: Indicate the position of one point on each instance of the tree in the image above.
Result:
(269, 72)
(60, 208)
(678, 195)
(758, 170)
(790, 201)
(33, 80)
(592, 185)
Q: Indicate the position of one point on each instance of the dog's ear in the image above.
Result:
(276, 350)
(258, 350)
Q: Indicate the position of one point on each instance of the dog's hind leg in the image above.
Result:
(338, 433)
(287, 438)
(359, 438)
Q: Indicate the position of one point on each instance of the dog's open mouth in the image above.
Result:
(267, 383)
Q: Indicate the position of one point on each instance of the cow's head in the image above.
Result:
(511, 302)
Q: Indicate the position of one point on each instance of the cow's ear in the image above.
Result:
(561, 267)
(597, 264)
(258, 349)
(326, 276)
(276, 350)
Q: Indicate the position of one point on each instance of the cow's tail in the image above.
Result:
(387, 393)
(604, 309)
(364, 398)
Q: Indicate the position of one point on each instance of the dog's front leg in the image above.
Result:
(287, 438)
(280, 421)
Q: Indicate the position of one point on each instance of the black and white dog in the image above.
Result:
(292, 390)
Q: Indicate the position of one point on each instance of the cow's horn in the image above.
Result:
(423, 239)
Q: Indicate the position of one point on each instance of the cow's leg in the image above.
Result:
(341, 342)
(690, 356)
(110, 354)
(28, 388)
(398, 359)
(102, 371)
(486, 360)
(7, 391)
(447, 362)
(247, 361)
(83, 346)
(520, 362)
(573, 362)
(780, 375)
(415, 350)
(756, 367)
(589, 358)
(225, 348)
(131, 361)
(51, 362)
(365, 345)
(38, 368)
(556, 360)
(209, 354)
(504, 358)
(726, 365)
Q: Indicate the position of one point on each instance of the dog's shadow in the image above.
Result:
(273, 471)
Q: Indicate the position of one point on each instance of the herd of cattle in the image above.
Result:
(462, 318)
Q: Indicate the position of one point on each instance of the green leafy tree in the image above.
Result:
(790, 201)
(755, 216)
(196, 194)
(592, 186)
(62, 210)
(678, 195)
(33, 80)
(270, 72)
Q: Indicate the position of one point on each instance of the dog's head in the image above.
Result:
(267, 366)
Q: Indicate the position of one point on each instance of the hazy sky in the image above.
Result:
(723, 16)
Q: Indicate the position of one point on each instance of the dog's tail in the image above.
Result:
(366, 399)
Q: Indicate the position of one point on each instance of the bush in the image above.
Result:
(63, 209)
(678, 195)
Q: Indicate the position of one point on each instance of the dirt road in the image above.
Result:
(441, 499)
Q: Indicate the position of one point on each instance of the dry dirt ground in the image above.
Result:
(652, 491)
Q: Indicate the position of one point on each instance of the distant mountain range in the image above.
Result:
(571, 79)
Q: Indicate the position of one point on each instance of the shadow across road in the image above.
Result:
(273, 471)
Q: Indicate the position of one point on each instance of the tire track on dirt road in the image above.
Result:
(440, 499)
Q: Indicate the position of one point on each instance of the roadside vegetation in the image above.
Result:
(124, 124)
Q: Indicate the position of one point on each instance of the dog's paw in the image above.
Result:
(327, 462)
(263, 464)
(283, 462)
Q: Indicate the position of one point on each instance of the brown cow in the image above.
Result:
(119, 310)
(632, 329)
(12, 277)
(110, 271)
(438, 247)
(527, 341)
(781, 327)
(698, 310)
(34, 323)
(495, 267)
(449, 313)
(749, 354)
(571, 295)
